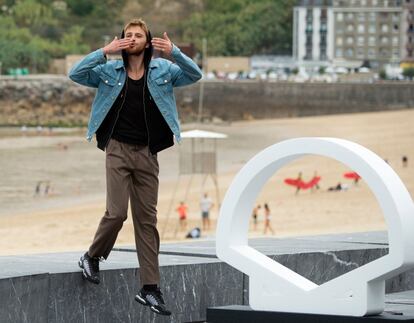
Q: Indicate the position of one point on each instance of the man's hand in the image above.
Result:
(117, 45)
(163, 44)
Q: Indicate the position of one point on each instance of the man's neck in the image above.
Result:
(136, 64)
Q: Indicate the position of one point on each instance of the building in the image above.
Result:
(349, 33)
(227, 64)
(367, 31)
(313, 32)
(407, 44)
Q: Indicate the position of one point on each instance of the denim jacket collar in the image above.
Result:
(120, 64)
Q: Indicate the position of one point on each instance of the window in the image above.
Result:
(374, 2)
(395, 40)
(339, 16)
(350, 16)
(384, 40)
(396, 28)
(339, 52)
(309, 15)
(384, 52)
(371, 41)
(372, 29)
(361, 28)
(384, 28)
(350, 40)
(396, 17)
(395, 54)
(371, 53)
(350, 28)
(372, 16)
(349, 52)
(361, 16)
(360, 52)
(384, 15)
(339, 41)
(360, 41)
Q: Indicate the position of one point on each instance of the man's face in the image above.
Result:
(137, 34)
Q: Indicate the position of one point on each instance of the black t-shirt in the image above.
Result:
(131, 126)
(133, 129)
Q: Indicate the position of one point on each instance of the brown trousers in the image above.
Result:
(131, 173)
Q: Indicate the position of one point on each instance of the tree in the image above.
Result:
(81, 7)
(242, 27)
(31, 14)
(409, 72)
(382, 74)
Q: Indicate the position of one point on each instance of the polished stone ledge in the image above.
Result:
(49, 287)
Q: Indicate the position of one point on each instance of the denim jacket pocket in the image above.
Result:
(107, 80)
(164, 79)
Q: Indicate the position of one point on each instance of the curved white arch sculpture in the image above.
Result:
(273, 287)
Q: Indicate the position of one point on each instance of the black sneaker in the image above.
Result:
(154, 300)
(90, 268)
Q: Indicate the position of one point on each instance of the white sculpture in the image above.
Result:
(272, 286)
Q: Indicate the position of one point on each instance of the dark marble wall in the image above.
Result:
(24, 299)
(188, 288)
(66, 297)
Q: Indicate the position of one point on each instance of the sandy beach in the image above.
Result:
(67, 217)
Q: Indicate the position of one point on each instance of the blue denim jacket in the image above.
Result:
(109, 78)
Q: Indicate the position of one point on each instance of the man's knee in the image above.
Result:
(116, 216)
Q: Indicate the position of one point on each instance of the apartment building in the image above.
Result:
(407, 43)
(313, 31)
(358, 32)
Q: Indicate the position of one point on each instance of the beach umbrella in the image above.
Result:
(313, 182)
(294, 182)
(352, 175)
(301, 184)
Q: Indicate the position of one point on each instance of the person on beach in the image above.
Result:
(37, 189)
(206, 204)
(255, 215)
(182, 215)
(134, 116)
(299, 180)
(267, 225)
(404, 161)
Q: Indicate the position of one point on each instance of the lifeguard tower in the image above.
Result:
(197, 157)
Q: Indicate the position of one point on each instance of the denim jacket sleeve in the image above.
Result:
(87, 71)
(184, 71)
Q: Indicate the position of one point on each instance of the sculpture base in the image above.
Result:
(244, 314)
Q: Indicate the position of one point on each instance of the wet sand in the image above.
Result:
(67, 218)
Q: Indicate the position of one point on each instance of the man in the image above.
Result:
(206, 205)
(182, 215)
(134, 117)
(255, 215)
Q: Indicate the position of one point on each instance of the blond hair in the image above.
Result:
(140, 23)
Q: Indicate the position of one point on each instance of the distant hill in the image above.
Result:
(162, 15)
(34, 31)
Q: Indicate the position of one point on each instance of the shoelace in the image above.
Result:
(156, 297)
(94, 261)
